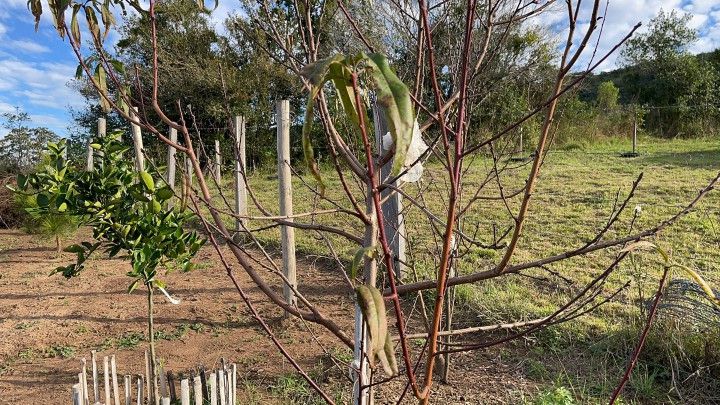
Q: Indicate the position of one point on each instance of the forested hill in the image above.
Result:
(628, 79)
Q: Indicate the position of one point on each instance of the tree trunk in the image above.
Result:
(152, 383)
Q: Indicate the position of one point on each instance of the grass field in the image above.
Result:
(574, 198)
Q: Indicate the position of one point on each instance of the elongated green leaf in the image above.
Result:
(74, 26)
(92, 22)
(644, 244)
(394, 97)
(308, 152)
(147, 181)
(369, 251)
(101, 79)
(703, 284)
(316, 73)
(341, 79)
(107, 18)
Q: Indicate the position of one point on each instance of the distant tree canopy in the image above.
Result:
(243, 72)
(678, 90)
(21, 149)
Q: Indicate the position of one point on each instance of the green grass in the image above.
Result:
(573, 199)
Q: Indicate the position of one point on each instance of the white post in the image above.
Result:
(113, 371)
(189, 170)
(137, 141)
(197, 390)
(77, 394)
(83, 381)
(221, 386)
(106, 373)
(184, 392)
(89, 164)
(240, 171)
(139, 389)
(218, 162)
(634, 135)
(233, 388)
(170, 176)
(287, 233)
(102, 131)
(392, 207)
(96, 387)
(212, 384)
(128, 390)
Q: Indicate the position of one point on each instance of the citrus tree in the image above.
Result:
(127, 212)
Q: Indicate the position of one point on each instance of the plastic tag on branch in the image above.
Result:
(415, 150)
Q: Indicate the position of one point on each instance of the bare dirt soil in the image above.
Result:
(48, 324)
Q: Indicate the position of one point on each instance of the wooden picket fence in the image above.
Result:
(217, 387)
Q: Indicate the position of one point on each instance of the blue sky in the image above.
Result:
(36, 68)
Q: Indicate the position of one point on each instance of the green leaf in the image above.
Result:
(308, 151)
(74, 26)
(394, 97)
(74, 249)
(147, 181)
(42, 200)
(95, 146)
(79, 71)
(133, 286)
(369, 251)
(92, 22)
(22, 181)
(643, 244)
(703, 284)
(164, 193)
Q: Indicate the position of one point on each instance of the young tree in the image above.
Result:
(607, 96)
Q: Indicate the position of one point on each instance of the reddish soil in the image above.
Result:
(48, 324)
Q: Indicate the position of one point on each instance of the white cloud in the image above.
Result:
(622, 15)
(27, 46)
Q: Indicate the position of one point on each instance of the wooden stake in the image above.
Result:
(83, 381)
(116, 389)
(102, 131)
(218, 162)
(77, 394)
(184, 392)
(221, 386)
(197, 390)
(213, 389)
(170, 175)
(393, 206)
(128, 390)
(137, 142)
(106, 373)
(96, 387)
(139, 389)
(89, 164)
(240, 171)
(233, 397)
(287, 233)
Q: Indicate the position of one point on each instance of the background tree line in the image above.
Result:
(242, 71)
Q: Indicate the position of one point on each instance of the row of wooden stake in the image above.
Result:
(216, 388)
